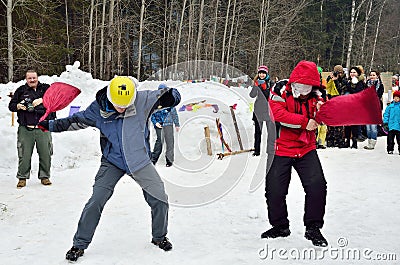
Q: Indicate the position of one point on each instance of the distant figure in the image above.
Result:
(27, 102)
(164, 121)
(261, 90)
(372, 129)
(391, 122)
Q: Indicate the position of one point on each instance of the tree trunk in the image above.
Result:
(224, 38)
(90, 35)
(199, 35)
(67, 29)
(231, 33)
(103, 21)
(140, 38)
(179, 36)
(10, 42)
(110, 39)
(260, 36)
(376, 36)
(367, 15)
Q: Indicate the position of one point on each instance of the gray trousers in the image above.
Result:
(166, 134)
(26, 141)
(106, 179)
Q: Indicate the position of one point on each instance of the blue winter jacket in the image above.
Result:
(165, 117)
(122, 135)
(392, 116)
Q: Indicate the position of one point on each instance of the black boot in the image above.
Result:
(277, 231)
(345, 144)
(314, 234)
(354, 145)
(163, 244)
(74, 253)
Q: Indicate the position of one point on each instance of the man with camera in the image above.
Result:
(27, 102)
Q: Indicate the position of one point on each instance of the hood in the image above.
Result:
(305, 73)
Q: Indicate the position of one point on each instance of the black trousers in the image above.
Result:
(258, 132)
(390, 140)
(312, 178)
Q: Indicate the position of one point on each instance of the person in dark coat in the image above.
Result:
(27, 103)
(260, 91)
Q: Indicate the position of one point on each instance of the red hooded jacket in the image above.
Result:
(293, 114)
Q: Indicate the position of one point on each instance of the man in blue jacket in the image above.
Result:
(120, 112)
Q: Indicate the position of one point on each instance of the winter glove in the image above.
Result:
(260, 82)
(43, 125)
(385, 127)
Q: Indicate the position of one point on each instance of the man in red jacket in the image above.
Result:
(295, 147)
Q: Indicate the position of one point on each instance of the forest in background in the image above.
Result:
(140, 37)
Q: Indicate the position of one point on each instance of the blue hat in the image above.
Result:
(162, 86)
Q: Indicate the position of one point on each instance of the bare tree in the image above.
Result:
(103, 22)
(142, 9)
(90, 35)
(110, 31)
(179, 35)
(376, 35)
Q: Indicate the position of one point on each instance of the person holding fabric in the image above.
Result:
(336, 82)
(27, 102)
(260, 91)
(375, 81)
(295, 148)
(355, 84)
(164, 121)
(121, 112)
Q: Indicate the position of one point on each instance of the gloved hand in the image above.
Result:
(44, 125)
(260, 82)
(385, 127)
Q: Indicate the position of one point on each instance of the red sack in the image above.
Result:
(355, 109)
(58, 96)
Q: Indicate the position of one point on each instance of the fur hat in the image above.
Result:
(356, 69)
(338, 68)
(396, 93)
(262, 68)
(305, 73)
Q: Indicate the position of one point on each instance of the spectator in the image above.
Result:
(261, 90)
(372, 129)
(391, 122)
(354, 85)
(164, 121)
(336, 84)
(27, 102)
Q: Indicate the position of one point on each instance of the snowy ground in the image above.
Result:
(37, 222)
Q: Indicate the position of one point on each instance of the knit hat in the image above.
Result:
(396, 93)
(356, 69)
(162, 86)
(338, 68)
(262, 68)
(305, 73)
(320, 70)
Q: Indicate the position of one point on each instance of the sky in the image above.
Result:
(220, 217)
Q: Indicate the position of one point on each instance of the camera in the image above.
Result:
(335, 74)
(28, 104)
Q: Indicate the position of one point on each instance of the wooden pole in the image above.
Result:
(208, 141)
(11, 94)
(236, 127)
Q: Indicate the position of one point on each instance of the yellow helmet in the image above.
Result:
(121, 91)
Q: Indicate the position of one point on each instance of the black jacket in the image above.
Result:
(23, 93)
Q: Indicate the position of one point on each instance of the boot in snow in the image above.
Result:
(314, 234)
(74, 253)
(277, 231)
(163, 244)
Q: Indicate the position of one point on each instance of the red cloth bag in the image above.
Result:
(355, 109)
(58, 96)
